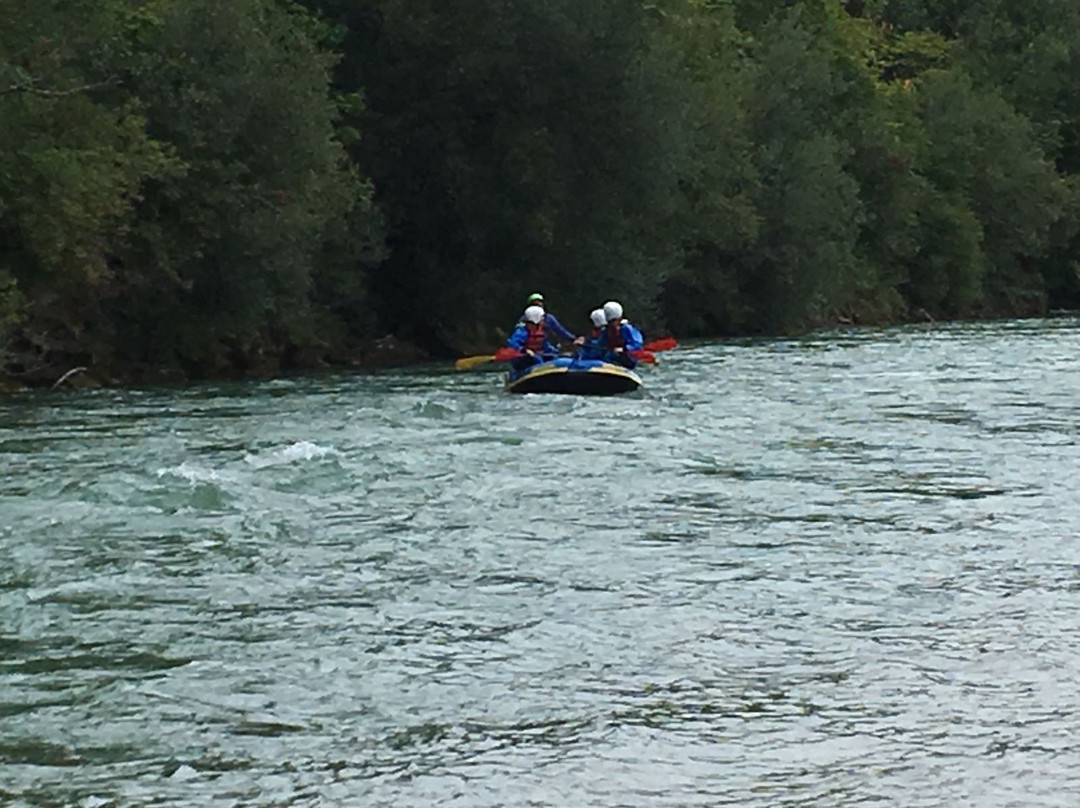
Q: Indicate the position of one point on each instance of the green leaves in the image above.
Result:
(241, 92)
(219, 186)
(983, 156)
(73, 159)
(171, 178)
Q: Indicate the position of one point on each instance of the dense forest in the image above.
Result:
(200, 188)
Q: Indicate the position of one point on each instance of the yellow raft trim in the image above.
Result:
(606, 369)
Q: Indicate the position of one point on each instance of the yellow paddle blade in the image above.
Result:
(467, 362)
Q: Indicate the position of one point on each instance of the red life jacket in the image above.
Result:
(534, 340)
(614, 335)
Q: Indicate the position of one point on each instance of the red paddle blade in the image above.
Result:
(662, 344)
(644, 356)
(506, 352)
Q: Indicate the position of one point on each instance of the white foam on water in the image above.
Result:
(185, 772)
(298, 452)
(191, 473)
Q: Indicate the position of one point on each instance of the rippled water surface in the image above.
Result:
(831, 571)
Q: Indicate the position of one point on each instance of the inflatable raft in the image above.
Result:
(570, 376)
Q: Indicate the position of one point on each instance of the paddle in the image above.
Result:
(647, 352)
(500, 355)
(662, 344)
(467, 362)
(643, 354)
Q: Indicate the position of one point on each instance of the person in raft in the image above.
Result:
(551, 322)
(620, 337)
(591, 348)
(531, 338)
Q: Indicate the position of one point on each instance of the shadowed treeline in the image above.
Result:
(210, 187)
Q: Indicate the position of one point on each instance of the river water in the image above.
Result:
(831, 571)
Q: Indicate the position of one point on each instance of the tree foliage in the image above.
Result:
(211, 186)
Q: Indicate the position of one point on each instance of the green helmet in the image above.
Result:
(534, 297)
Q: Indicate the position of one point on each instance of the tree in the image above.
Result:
(703, 293)
(221, 262)
(804, 265)
(515, 145)
(73, 156)
(984, 158)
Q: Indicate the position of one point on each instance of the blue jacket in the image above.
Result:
(551, 323)
(520, 334)
(592, 349)
(631, 337)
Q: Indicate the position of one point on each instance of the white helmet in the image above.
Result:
(599, 319)
(534, 314)
(612, 311)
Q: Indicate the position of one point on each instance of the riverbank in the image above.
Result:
(388, 351)
(79, 371)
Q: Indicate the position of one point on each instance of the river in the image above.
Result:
(833, 571)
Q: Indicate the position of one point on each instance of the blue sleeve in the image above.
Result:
(631, 337)
(591, 349)
(517, 337)
(552, 323)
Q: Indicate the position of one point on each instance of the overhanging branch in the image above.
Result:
(47, 93)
